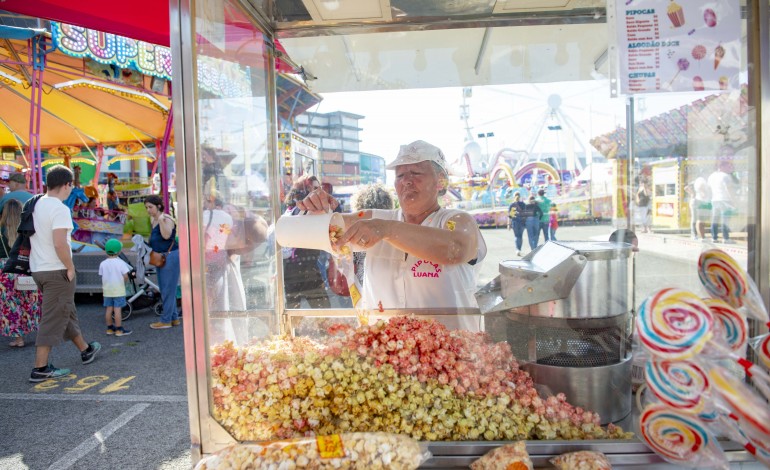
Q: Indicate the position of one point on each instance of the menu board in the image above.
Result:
(678, 45)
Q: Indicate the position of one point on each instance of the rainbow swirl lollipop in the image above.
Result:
(682, 385)
(679, 438)
(751, 410)
(763, 351)
(722, 277)
(674, 324)
(730, 327)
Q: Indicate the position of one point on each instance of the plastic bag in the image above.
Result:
(581, 460)
(508, 457)
(358, 450)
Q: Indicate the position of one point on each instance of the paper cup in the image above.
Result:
(307, 231)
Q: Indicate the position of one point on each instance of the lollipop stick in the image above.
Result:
(731, 428)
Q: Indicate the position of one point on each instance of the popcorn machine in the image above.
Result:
(567, 311)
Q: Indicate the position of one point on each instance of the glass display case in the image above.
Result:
(569, 114)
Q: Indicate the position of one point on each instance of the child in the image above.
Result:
(114, 272)
(553, 222)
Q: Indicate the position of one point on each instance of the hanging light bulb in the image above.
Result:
(517, 56)
(561, 57)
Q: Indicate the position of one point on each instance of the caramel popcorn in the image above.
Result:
(408, 376)
(582, 460)
(340, 451)
(335, 234)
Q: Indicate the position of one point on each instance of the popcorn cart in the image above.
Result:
(259, 372)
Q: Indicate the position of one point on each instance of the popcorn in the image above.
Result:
(335, 234)
(343, 451)
(582, 460)
(409, 376)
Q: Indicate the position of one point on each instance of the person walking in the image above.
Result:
(516, 216)
(553, 222)
(19, 309)
(721, 185)
(532, 218)
(163, 240)
(114, 272)
(53, 270)
(545, 219)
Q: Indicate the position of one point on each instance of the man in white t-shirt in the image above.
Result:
(53, 270)
(420, 255)
(721, 185)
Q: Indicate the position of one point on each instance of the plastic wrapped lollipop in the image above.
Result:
(674, 324)
(685, 386)
(749, 408)
(731, 333)
(680, 438)
(724, 279)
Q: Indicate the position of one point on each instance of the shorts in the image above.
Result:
(115, 302)
(59, 317)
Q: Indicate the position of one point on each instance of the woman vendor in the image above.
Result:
(420, 255)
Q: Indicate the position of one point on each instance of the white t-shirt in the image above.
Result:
(409, 282)
(720, 184)
(217, 232)
(112, 270)
(701, 188)
(50, 214)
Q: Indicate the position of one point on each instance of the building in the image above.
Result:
(340, 162)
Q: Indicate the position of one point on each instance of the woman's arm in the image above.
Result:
(167, 225)
(455, 243)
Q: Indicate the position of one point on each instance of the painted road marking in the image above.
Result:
(88, 397)
(84, 384)
(71, 457)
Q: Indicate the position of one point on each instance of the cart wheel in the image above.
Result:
(158, 309)
(126, 312)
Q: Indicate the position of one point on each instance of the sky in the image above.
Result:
(518, 115)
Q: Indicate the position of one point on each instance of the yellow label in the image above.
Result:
(330, 447)
(355, 296)
(450, 224)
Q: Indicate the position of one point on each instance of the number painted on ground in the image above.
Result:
(84, 384)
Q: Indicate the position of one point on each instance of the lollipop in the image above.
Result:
(679, 438)
(681, 65)
(724, 279)
(674, 324)
(730, 327)
(763, 351)
(682, 385)
(751, 410)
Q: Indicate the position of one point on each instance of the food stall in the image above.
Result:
(252, 379)
(249, 385)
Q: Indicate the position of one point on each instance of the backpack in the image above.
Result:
(18, 258)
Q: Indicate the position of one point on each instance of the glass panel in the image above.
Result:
(233, 129)
(539, 121)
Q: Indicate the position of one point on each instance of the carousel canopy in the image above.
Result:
(83, 102)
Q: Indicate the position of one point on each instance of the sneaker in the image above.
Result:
(120, 331)
(50, 372)
(110, 330)
(518, 253)
(159, 325)
(88, 357)
(176, 322)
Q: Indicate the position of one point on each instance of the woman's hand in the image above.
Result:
(318, 201)
(366, 233)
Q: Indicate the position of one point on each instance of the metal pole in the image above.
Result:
(629, 156)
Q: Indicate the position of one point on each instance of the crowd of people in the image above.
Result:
(538, 215)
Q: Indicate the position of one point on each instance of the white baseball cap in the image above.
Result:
(416, 152)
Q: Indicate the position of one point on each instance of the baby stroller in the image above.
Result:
(141, 293)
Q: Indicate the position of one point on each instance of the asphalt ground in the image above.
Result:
(126, 410)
